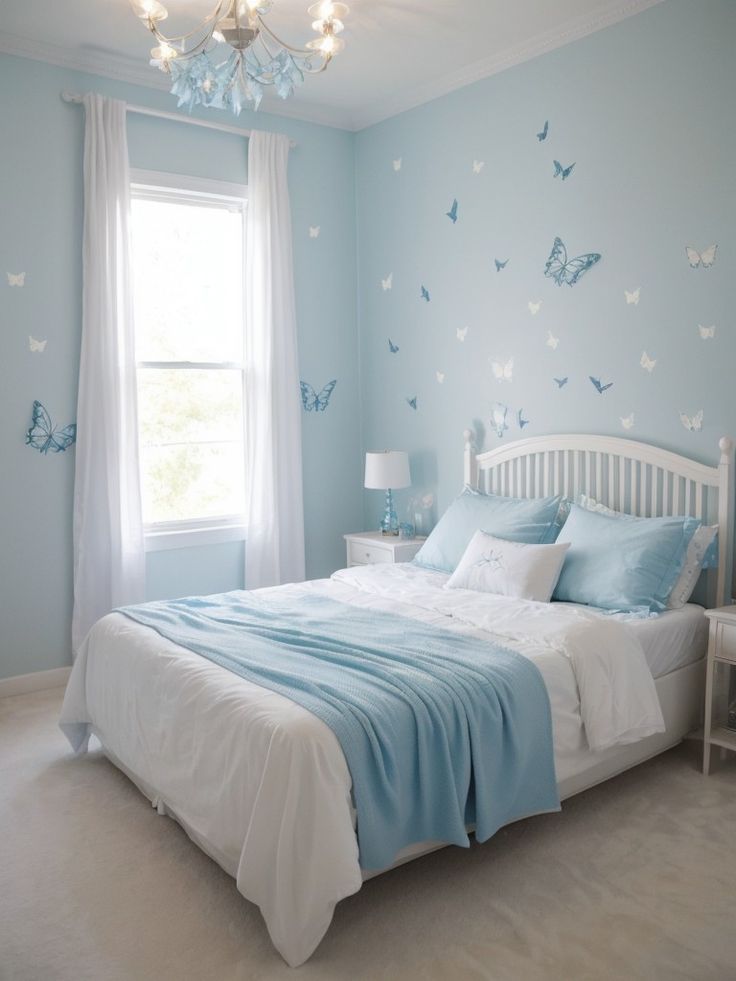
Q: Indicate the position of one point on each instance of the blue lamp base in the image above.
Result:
(390, 522)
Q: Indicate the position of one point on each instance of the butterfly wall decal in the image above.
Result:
(692, 423)
(503, 370)
(534, 308)
(440, 376)
(397, 165)
(501, 265)
(498, 419)
(561, 382)
(452, 213)
(16, 279)
(37, 347)
(561, 171)
(706, 333)
(627, 421)
(552, 341)
(387, 283)
(313, 402)
(633, 297)
(412, 402)
(545, 129)
(314, 231)
(425, 294)
(478, 165)
(461, 333)
(563, 270)
(521, 420)
(647, 363)
(598, 385)
(42, 435)
(706, 258)
(393, 348)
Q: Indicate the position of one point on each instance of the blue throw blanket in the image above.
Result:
(439, 730)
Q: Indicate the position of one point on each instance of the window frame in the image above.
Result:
(160, 186)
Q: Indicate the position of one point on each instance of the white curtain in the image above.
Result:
(274, 547)
(109, 559)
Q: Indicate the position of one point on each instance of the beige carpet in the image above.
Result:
(634, 880)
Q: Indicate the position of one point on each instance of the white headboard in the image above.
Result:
(621, 473)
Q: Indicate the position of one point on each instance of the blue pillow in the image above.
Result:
(527, 520)
(622, 562)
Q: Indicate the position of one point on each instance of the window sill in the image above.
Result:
(159, 541)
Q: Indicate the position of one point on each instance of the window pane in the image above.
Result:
(191, 432)
(188, 281)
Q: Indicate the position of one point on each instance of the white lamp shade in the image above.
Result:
(387, 470)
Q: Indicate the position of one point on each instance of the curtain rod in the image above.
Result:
(176, 117)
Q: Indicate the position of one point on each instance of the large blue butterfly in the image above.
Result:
(313, 402)
(452, 213)
(545, 129)
(425, 294)
(564, 270)
(501, 264)
(598, 385)
(561, 171)
(43, 437)
(393, 348)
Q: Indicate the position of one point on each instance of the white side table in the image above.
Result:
(719, 683)
(371, 548)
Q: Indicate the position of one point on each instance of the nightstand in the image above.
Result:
(720, 684)
(372, 548)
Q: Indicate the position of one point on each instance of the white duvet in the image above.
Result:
(262, 785)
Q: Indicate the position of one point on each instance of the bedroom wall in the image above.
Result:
(644, 110)
(40, 234)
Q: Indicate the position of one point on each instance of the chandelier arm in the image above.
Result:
(302, 52)
(216, 16)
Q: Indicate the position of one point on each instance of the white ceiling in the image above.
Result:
(399, 53)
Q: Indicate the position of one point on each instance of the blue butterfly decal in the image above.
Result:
(521, 420)
(412, 402)
(498, 419)
(500, 265)
(564, 270)
(599, 387)
(561, 382)
(452, 213)
(425, 294)
(393, 348)
(43, 437)
(545, 129)
(313, 402)
(562, 171)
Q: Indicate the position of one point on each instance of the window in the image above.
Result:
(188, 274)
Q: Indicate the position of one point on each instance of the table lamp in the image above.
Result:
(387, 471)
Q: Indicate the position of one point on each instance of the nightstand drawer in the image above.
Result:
(364, 554)
(726, 643)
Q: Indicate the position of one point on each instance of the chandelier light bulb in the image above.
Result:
(150, 11)
(328, 26)
(328, 45)
(327, 10)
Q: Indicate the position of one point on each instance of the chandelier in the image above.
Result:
(233, 55)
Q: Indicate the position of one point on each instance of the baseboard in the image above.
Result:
(21, 684)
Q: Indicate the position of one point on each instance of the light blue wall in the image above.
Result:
(645, 109)
(40, 233)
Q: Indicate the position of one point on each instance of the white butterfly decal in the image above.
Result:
(478, 165)
(461, 333)
(503, 371)
(627, 421)
(397, 165)
(534, 308)
(37, 347)
(633, 297)
(706, 333)
(647, 363)
(440, 375)
(552, 341)
(388, 282)
(695, 423)
(706, 258)
(314, 231)
(16, 279)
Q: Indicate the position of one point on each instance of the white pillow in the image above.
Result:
(495, 565)
(697, 550)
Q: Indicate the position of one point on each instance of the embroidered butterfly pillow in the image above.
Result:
(494, 565)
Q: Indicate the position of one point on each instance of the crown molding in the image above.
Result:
(572, 30)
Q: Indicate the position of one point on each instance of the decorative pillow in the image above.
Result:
(528, 520)
(494, 565)
(702, 553)
(622, 563)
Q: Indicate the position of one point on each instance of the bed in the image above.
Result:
(261, 784)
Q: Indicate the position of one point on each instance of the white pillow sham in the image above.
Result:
(495, 565)
(697, 551)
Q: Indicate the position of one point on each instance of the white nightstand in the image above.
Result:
(719, 683)
(371, 548)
